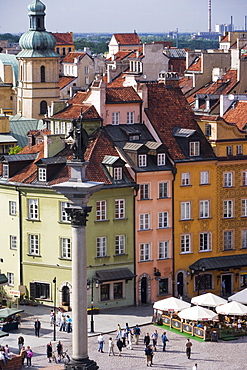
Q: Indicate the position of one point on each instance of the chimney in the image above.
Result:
(209, 16)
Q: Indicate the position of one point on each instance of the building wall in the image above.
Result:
(122, 109)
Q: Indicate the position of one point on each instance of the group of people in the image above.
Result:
(49, 351)
(25, 353)
(5, 354)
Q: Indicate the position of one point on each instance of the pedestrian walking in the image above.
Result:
(149, 355)
(119, 346)
(52, 318)
(101, 343)
(63, 323)
(20, 342)
(37, 326)
(164, 340)
(111, 347)
(129, 346)
(154, 337)
(137, 332)
(59, 317)
(188, 348)
(23, 354)
(59, 350)
(124, 337)
(29, 356)
(146, 339)
(118, 331)
(49, 351)
(194, 367)
(68, 324)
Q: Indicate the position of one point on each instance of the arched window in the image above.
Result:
(43, 107)
(42, 73)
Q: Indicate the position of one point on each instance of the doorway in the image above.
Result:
(226, 285)
(144, 290)
(65, 296)
(180, 284)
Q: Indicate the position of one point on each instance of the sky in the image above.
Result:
(114, 16)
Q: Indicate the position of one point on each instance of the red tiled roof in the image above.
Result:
(121, 95)
(65, 80)
(78, 98)
(63, 38)
(196, 66)
(208, 117)
(237, 114)
(69, 58)
(127, 38)
(221, 86)
(118, 81)
(120, 55)
(168, 109)
(225, 38)
(186, 84)
(74, 110)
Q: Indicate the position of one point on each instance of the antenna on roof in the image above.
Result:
(134, 31)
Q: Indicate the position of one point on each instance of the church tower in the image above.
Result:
(38, 66)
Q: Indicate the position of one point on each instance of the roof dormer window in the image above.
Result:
(6, 171)
(42, 174)
(118, 173)
(161, 159)
(194, 148)
(142, 160)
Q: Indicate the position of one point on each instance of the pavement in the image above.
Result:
(208, 355)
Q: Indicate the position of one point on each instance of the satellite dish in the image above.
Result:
(231, 97)
(144, 76)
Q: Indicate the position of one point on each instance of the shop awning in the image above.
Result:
(3, 279)
(220, 263)
(115, 274)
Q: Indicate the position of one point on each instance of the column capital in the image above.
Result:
(78, 215)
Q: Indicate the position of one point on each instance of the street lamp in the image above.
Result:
(54, 322)
(91, 283)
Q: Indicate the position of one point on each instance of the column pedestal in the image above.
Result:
(84, 364)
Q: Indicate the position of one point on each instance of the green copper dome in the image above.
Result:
(37, 42)
(36, 7)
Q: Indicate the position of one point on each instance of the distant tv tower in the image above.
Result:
(209, 16)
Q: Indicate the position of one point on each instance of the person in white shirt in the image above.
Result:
(194, 367)
(111, 347)
(100, 342)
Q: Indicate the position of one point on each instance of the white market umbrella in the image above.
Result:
(198, 313)
(240, 297)
(208, 300)
(171, 304)
(232, 308)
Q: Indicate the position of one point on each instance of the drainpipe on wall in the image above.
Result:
(173, 254)
(134, 224)
(20, 235)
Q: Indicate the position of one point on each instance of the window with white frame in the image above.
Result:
(64, 217)
(12, 208)
(33, 211)
(119, 244)
(86, 70)
(5, 171)
(117, 173)
(204, 209)
(13, 242)
(145, 252)
(130, 117)
(228, 179)
(33, 244)
(144, 191)
(163, 219)
(229, 150)
(144, 221)
(194, 148)
(62, 128)
(68, 127)
(185, 180)
(244, 178)
(204, 177)
(40, 290)
(185, 211)
(115, 118)
(228, 240)
(163, 249)
(11, 280)
(185, 243)
(65, 248)
(101, 246)
(142, 160)
(101, 210)
(161, 159)
(119, 208)
(244, 207)
(163, 189)
(42, 174)
(244, 238)
(57, 129)
(205, 241)
(239, 149)
(228, 208)
(208, 129)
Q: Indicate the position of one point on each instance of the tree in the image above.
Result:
(15, 150)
